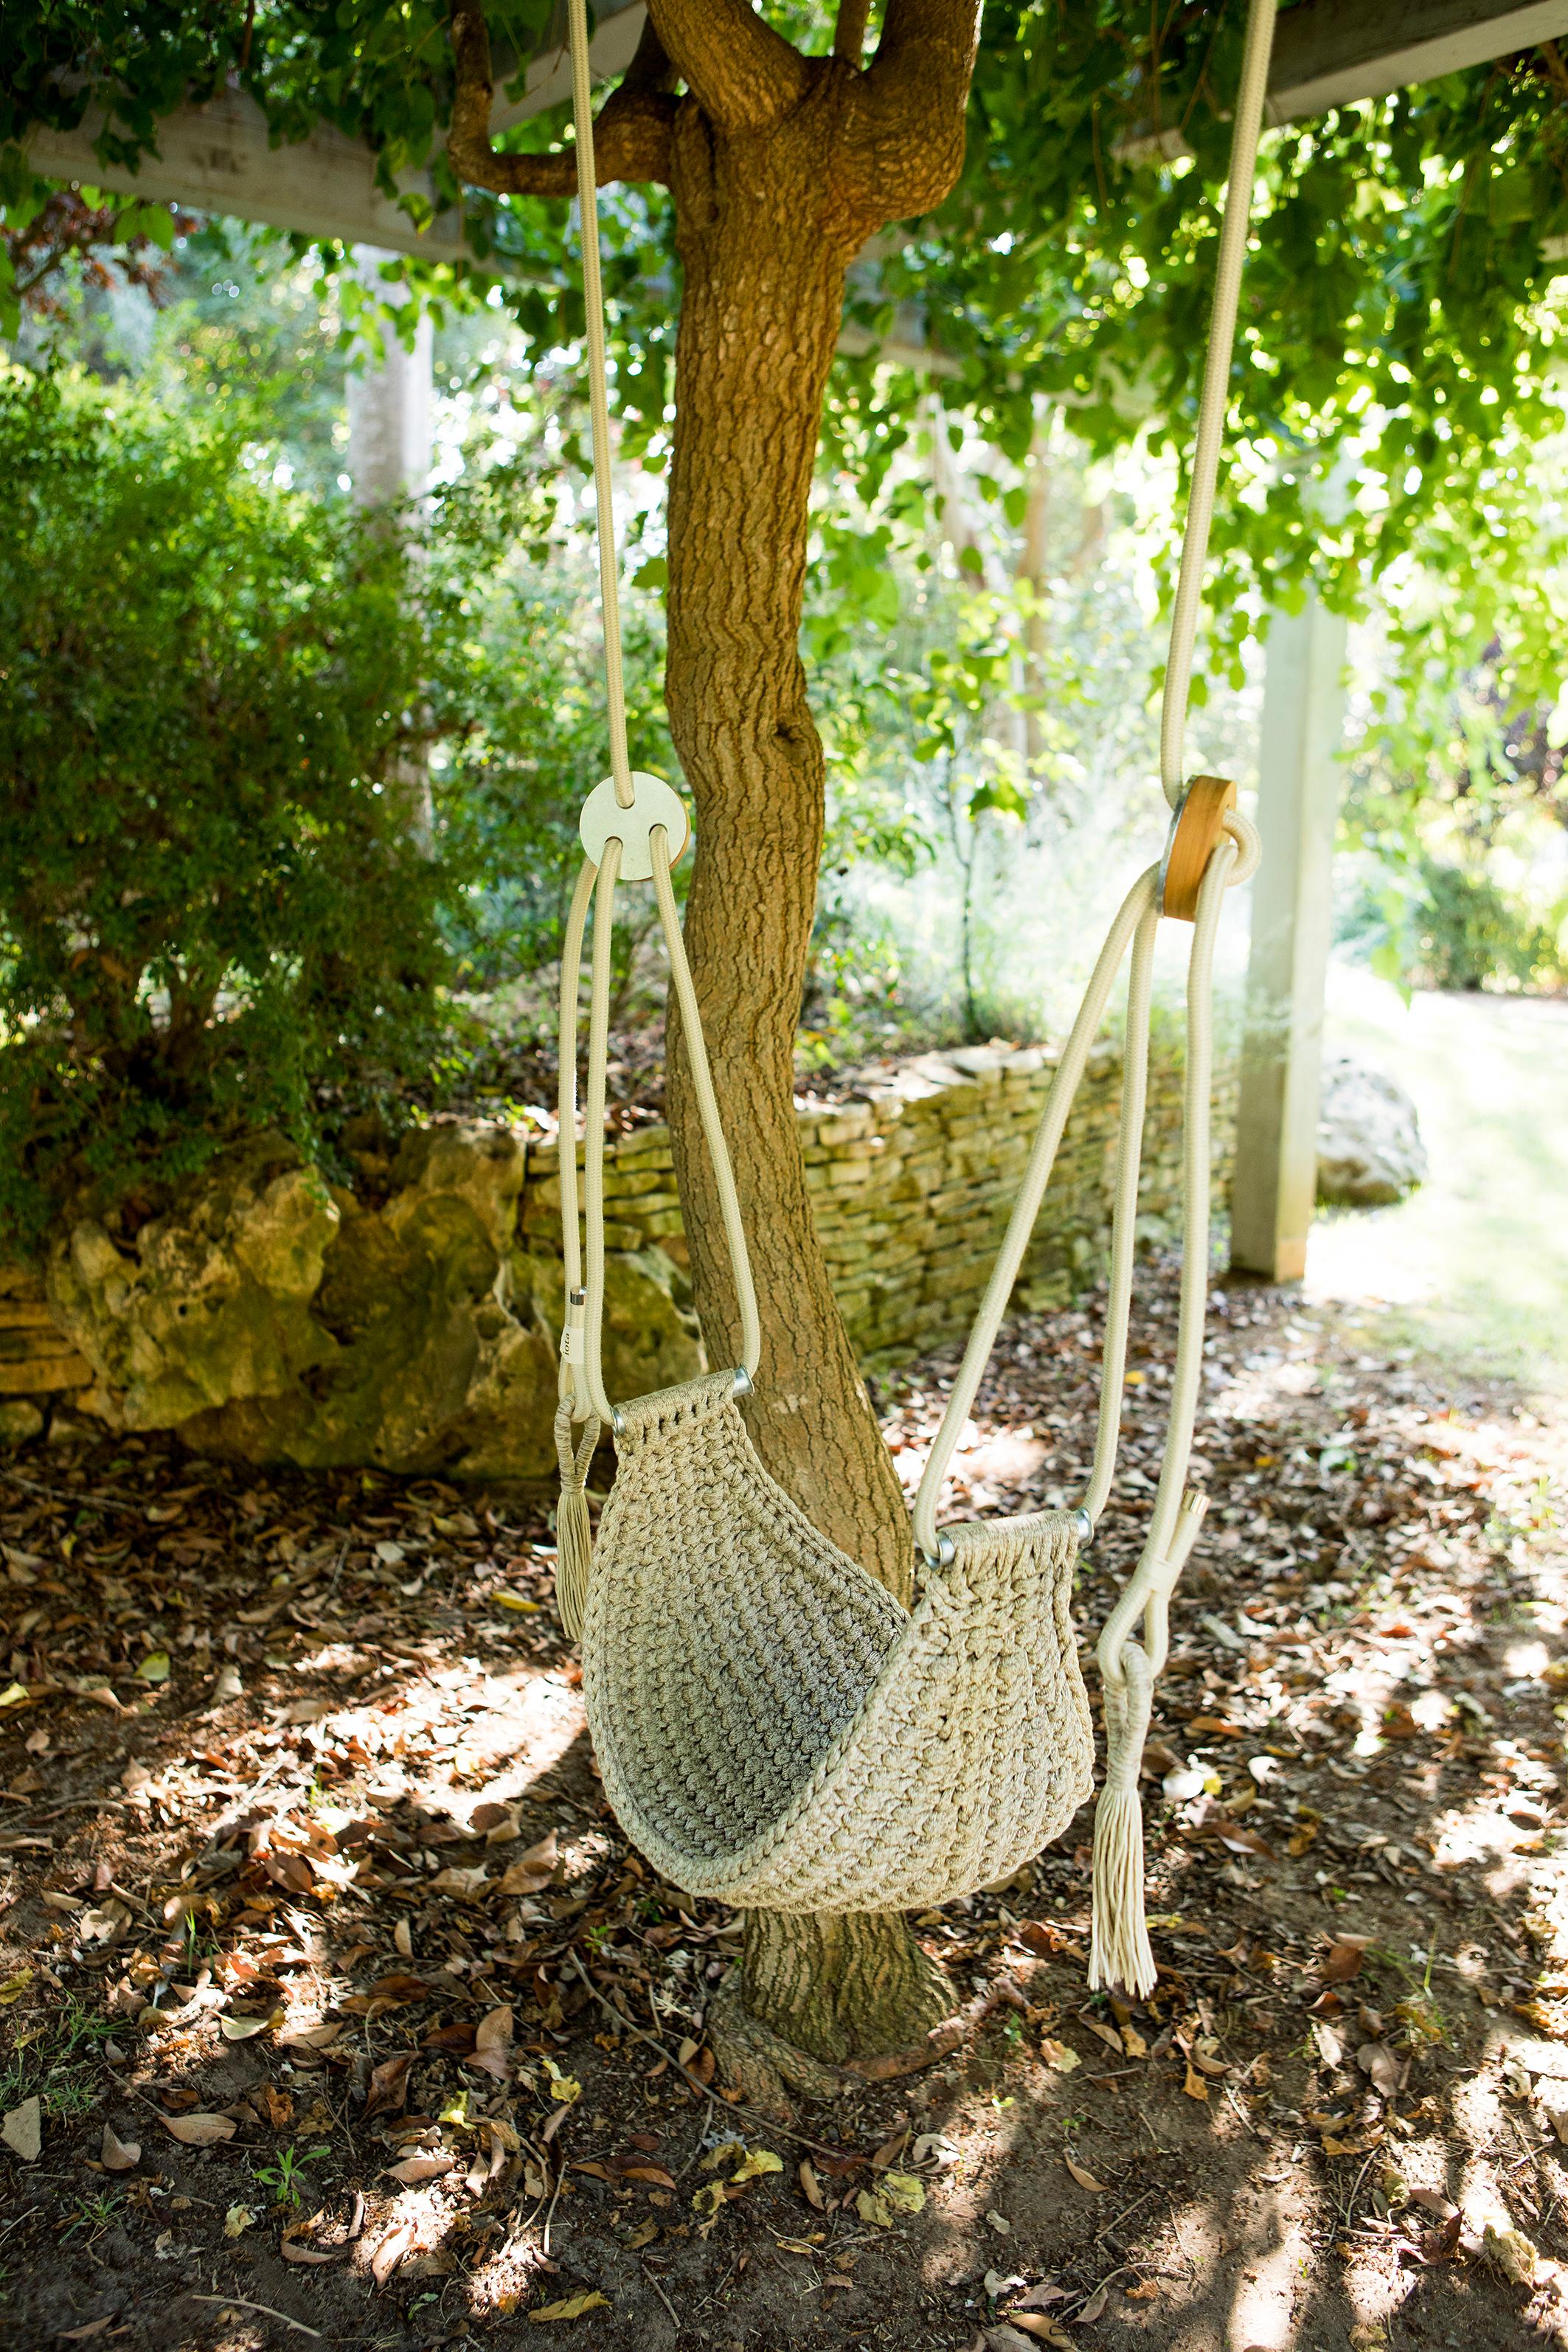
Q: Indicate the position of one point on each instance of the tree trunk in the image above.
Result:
(765, 257)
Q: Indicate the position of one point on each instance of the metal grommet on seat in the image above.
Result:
(1083, 1527)
(941, 1556)
(740, 1380)
(616, 1425)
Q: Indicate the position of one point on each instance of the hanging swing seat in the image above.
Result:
(774, 1729)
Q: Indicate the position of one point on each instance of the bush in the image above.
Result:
(1431, 924)
(213, 914)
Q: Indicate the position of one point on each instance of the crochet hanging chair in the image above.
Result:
(775, 1729)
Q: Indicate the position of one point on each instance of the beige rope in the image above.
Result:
(1138, 904)
(1215, 395)
(566, 1144)
(707, 1110)
(598, 399)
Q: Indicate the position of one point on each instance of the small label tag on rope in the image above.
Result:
(571, 1350)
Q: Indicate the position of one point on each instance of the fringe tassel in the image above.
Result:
(1120, 1952)
(573, 1529)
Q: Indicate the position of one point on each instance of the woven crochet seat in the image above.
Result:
(773, 1727)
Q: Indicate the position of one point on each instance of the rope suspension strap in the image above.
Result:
(634, 827)
(1210, 849)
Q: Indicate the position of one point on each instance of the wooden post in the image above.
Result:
(1276, 1181)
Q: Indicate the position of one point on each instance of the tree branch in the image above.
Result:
(849, 30)
(906, 132)
(631, 134)
(742, 73)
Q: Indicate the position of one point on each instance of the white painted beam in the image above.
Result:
(1332, 52)
(1274, 1186)
(219, 158)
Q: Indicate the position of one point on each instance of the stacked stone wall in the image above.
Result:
(913, 1178)
(271, 1317)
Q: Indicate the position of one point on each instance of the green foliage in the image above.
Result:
(213, 915)
(1429, 923)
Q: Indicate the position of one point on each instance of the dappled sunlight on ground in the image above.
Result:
(298, 1802)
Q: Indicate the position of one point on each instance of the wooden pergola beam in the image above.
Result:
(220, 157)
(1332, 52)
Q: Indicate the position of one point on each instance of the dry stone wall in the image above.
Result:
(271, 1317)
(913, 1180)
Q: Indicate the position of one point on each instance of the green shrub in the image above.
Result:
(213, 915)
(1427, 923)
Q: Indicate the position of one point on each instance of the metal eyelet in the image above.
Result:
(1083, 1527)
(942, 1556)
(741, 1381)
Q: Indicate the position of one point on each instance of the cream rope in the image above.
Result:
(598, 399)
(1137, 904)
(566, 1145)
(707, 1110)
(582, 1373)
(1215, 395)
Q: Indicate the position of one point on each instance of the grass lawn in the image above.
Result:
(1473, 1267)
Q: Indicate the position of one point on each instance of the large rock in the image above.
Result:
(1370, 1152)
(271, 1318)
(211, 1301)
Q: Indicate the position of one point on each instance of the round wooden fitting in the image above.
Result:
(654, 803)
(1195, 829)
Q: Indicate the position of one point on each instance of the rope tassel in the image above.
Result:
(573, 1529)
(1120, 1952)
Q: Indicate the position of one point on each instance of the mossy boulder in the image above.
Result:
(268, 1316)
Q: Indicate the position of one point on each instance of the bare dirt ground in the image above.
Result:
(335, 2008)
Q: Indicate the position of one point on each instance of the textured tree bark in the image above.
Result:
(780, 166)
(764, 246)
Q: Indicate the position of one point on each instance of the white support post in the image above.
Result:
(390, 407)
(1275, 1180)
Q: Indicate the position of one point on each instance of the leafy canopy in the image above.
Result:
(1401, 352)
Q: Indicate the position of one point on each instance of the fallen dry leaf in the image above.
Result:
(1035, 2325)
(492, 2044)
(245, 2029)
(1086, 2179)
(22, 2130)
(1058, 2057)
(810, 2188)
(573, 2306)
(1195, 2085)
(200, 2131)
(1377, 2060)
(414, 2169)
(564, 2088)
(387, 2093)
(1342, 1959)
(118, 2155)
(390, 2251)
